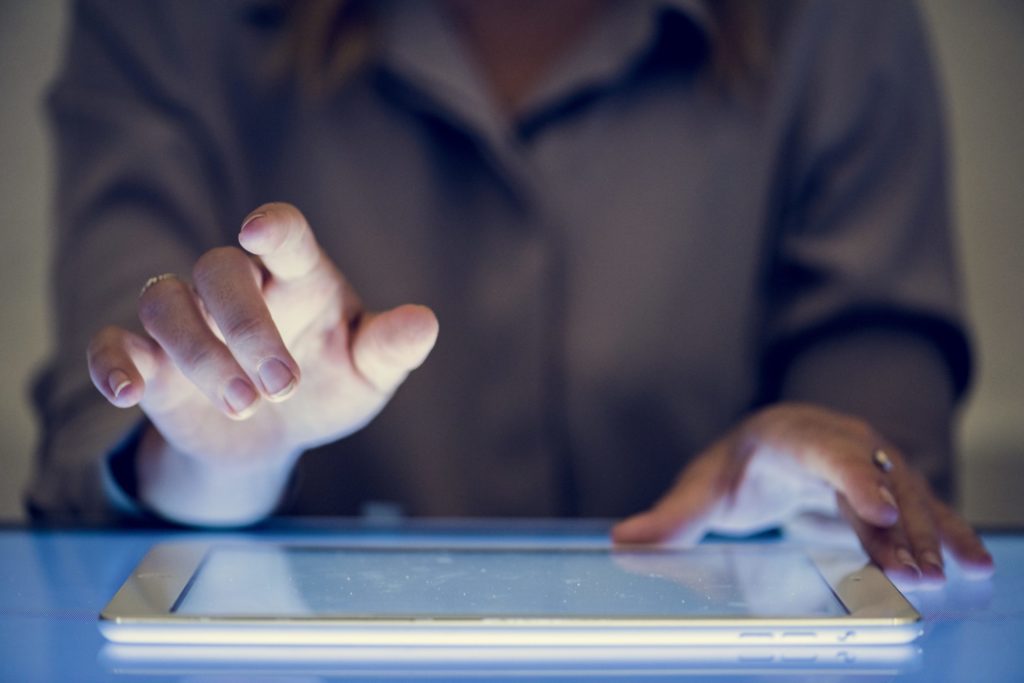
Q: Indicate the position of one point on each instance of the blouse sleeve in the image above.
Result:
(141, 190)
(864, 310)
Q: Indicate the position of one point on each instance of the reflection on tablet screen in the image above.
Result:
(349, 582)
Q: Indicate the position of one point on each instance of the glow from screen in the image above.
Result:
(349, 582)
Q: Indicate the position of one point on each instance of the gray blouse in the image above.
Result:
(621, 273)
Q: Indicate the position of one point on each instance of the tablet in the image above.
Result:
(466, 596)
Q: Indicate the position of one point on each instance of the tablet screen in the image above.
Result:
(297, 581)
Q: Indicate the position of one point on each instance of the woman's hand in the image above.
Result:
(788, 458)
(269, 354)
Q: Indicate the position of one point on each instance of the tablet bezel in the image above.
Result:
(140, 612)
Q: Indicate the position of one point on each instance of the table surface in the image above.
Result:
(53, 583)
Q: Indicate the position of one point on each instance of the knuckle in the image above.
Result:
(944, 514)
(921, 540)
(955, 526)
(913, 485)
(919, 483)
(102, 341)
(854, 477)
(157, 302)
(244, 329)
(152, 309)
(199, 354)
(213, 261)
(862, 429)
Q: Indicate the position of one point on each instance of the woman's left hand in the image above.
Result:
(789, 458)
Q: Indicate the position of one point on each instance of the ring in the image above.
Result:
(153, 280)
(881, 460)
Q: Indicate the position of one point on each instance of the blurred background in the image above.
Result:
(979, 47)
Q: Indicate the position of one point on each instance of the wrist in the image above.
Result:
(190, 489)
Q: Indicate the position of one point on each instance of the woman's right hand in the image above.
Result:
(269, 354)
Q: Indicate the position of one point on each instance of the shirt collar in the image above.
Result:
(617, 44)
(418, 45)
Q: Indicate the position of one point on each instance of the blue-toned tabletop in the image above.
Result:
(53, 584)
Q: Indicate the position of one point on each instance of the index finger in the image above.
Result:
(280, 235)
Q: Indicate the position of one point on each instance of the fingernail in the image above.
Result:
(981, 567)
(118, 381)
(907, 560)
(932, 564)
(278, 380)
(248, 221)
(240, 397)
(890, 500)
(887, 496)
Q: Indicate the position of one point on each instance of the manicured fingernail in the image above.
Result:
(887, 496)
(892, 511)
(118, 381)
(278, 380)
(248, 221)
(240, 397)
(907, 560)
(980, 567)
(932, 564)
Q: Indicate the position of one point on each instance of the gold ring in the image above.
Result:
(881, 460)
(153, 280)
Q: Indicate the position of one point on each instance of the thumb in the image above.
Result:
(389, 345)
(685, 512)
